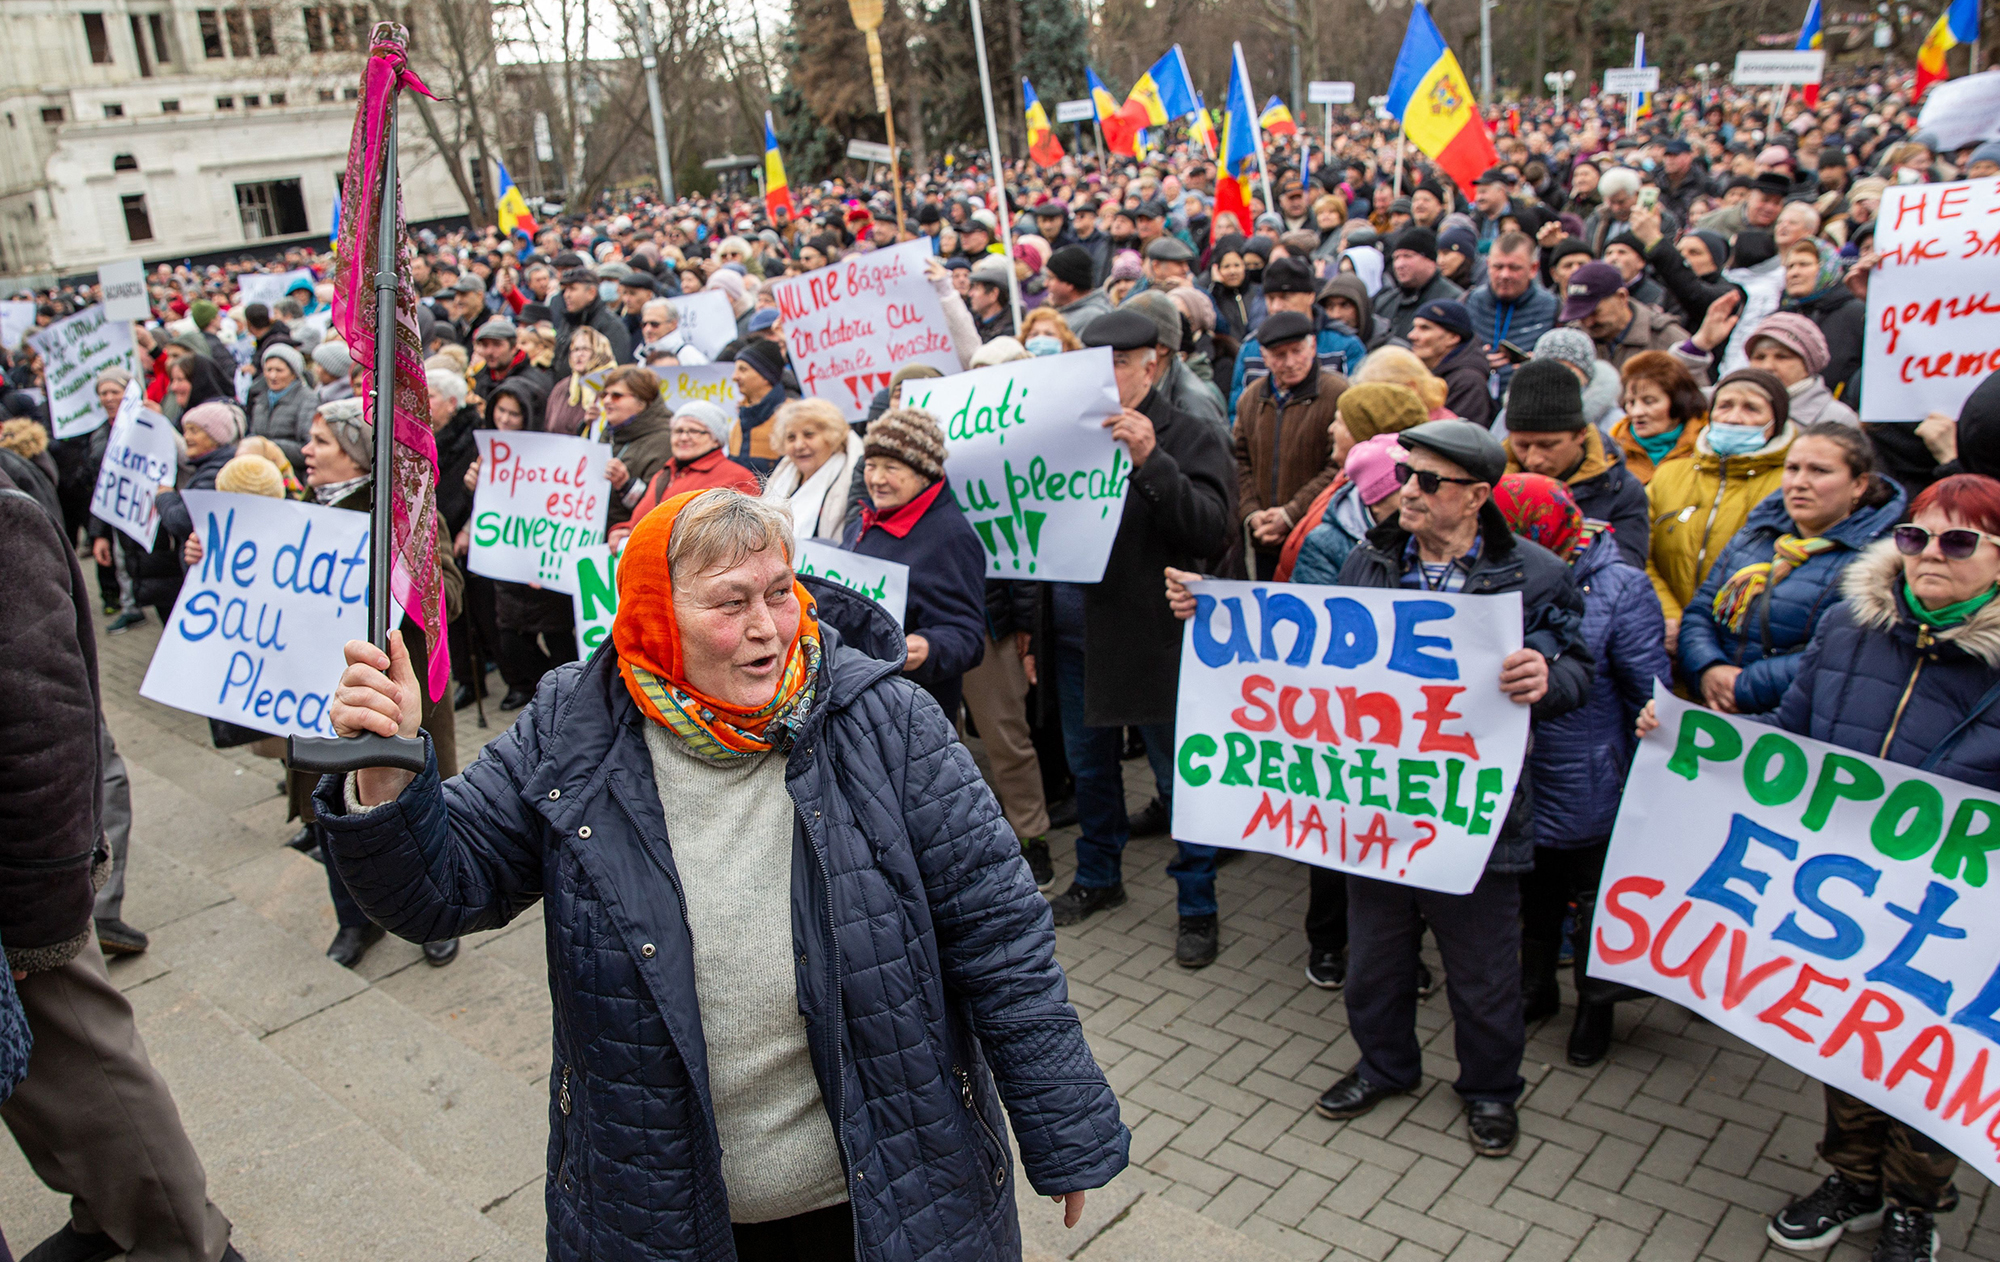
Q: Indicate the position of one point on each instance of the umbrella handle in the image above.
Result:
(338, 755)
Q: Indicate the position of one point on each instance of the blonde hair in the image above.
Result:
(1395, 366)
(809, 414)
(600, 348)
(722, 527)
(450, 356)
(1032, 323)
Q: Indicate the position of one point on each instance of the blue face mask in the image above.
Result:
(1043, 344)
(608, 290)
(1735, 440)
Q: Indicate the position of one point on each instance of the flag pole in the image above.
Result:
(1256, 132)
(993, 149)
(1399, 158)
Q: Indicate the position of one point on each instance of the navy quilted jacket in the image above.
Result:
(1782, 619)
(1579, 759)
(1876, 681)
(926, 962)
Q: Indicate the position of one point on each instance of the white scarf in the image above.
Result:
(808, 499)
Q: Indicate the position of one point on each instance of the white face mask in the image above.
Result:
(607, 290)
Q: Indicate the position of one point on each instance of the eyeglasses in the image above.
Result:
(617, 394)
(1428, 482)
(1956, 544)
(652, 324)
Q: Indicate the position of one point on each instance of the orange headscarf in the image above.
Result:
(647, 637)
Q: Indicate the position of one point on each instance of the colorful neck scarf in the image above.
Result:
(1951, 615)
(1657, 446)
(647, 637)
(1733, 602)
(1542, 509)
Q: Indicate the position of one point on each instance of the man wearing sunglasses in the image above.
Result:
(1449, 536)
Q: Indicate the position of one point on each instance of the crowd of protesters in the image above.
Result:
(1535, 384)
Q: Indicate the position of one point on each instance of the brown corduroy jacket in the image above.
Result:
(1284, 455)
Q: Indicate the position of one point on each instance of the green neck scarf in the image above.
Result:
(1658, 445)
(1950, 615)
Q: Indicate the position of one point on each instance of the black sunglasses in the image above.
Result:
(1428, 482)
(1956, 544)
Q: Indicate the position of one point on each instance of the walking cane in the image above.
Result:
(337, 755)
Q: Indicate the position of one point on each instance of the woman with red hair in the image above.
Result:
(1664, 411)
(1906, 668)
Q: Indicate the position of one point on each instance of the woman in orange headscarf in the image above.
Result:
(767, 863)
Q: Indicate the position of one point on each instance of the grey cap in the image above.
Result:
(993, 270)
(1160, 309)
(1166, 249)
(499, 328)
(470, 284)
(1472, 448)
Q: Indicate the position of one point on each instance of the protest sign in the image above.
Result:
(1031, 463)
(539, 496)
(1763, 289)
(257, 633)
(122, 288)
(1931, 298)
(73, 352)
(1961, 112)
(706, 321)
(595, 598)
(887, 583)
(851, 325)
(712, 383)
(140, 457)
(17, 320)
(1349, 728)
(269, 288)
(1822, 905)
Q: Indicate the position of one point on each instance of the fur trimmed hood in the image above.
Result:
(1873, 589)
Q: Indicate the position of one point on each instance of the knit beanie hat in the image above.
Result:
(351, 431)
(1979, 429)
(332, 357)
(711, 416)
(1371, 466)
(251, 475)
(1001, 350)
(287, 353)
(220, 421)
(113, 376)
(1073, 266)
(1774, 389)
(1545, 397)
(766, 356)
(1125, 266)
(911, 372)
(1416, 240)
(1567, 346)
(1380, 408)
(202, 312)
(1568, 246)
(1160, 309)
(1797, 334)
(910, 435)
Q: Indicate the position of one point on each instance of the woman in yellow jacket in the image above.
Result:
(1700, 501)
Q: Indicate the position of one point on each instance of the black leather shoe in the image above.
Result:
(1153, 821)
(1079, 901)
(71, 1245)
(516, 698)
(304, 839)
(1199, 940)
(1351, 1097)
(1063, 814)
(1590, 1037)
(1493, 1127)
(1540, 996)
(349, 945)
(465, 696)
(439, 954)
(118, 938)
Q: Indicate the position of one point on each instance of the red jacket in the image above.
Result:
(700, 474)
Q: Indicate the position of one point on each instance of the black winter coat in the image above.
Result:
(456, 449)
(926, 962)
(947, 599)
(1877, 681)
(1465, 373)
(1615, 496)
(1552, 616)
(1178, 511)
(599, 317)
(1843, 320)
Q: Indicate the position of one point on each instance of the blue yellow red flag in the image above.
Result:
(1043, 145)
(1277, 119)
(1811, 32)
(512, 208)
(1959, 25)
(1642, 106)
(1428, 92)
(777, 191)
(1242, 149)
(1166, 90)
(1202, 128)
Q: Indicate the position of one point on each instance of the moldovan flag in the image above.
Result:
(1809, 38)
(1959, 25)
(1429, 93)
(1101, 99)
(1276, 119)
(777, 192)
(512, 208)
(1167, 91)
(1202, 128)
(1242, 149)
(1644, 107)
(1043, 146)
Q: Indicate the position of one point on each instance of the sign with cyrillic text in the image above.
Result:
(1826, 907)
(122, 287)
(140, 457)
(849, 326)
(258, 632)
(539, 496)
(73, 352)
(1351, 728)
(1032, 466)
(1932, 299)
(887, 583)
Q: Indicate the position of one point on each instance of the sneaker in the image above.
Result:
(1426, 984)
(1818, 1219)
(1036, 851)
(126, 621)
(1080, 901)
(1199, 940)
(1152, 821)
(1908, 1235)
(1326, 969)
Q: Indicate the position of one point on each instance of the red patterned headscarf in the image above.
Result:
(1542, 509)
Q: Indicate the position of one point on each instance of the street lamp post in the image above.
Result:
(1485, 53)
(1702, 70)
(1558, 83)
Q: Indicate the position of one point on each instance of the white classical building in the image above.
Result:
(167, 129)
